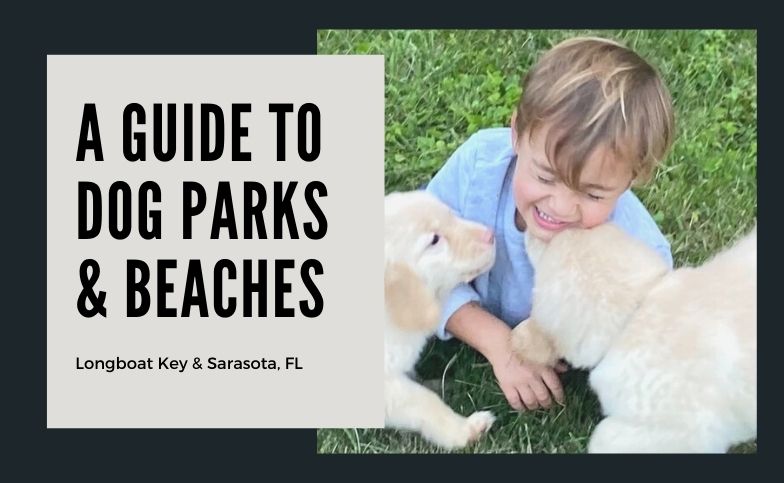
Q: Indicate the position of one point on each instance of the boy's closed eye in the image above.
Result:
(545, 180)
(547, 176)
(592, 190)
(552, 181)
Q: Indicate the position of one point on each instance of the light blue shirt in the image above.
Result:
(476, 182)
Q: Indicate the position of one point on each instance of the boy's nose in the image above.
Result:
(563, 207)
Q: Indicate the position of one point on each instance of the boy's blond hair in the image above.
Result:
(595, 92)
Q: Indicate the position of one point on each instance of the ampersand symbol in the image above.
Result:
(87, 284)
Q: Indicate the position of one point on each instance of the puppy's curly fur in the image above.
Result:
(672, 354)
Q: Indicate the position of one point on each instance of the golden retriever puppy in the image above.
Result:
(428, 252)
(672, 354)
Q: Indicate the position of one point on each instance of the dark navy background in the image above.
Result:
(32, 31)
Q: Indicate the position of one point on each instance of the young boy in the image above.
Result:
(593, 118)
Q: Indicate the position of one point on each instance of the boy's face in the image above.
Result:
(545, 205)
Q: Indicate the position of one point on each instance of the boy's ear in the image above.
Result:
(515, 133)
(408, 301)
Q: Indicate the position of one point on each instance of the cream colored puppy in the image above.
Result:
(428, 251)
(672, 354)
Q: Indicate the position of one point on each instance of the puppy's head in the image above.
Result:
(587, 285)
(604, 250)
(429, 251)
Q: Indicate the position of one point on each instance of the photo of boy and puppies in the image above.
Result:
(570, 242)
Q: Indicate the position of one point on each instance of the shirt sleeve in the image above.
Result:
(632, 215)
(450, 184)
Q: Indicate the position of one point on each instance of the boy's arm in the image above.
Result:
(524, 385)
(461, 296)
(480, 329)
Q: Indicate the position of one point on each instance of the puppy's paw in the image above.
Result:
(479, 423)
(530, 344)
(462, 431)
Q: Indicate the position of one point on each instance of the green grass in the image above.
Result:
(442, 86)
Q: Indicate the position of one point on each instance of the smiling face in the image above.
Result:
(546, 205)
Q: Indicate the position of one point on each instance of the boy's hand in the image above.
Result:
(525, 385)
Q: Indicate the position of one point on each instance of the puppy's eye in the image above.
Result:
(435, 239)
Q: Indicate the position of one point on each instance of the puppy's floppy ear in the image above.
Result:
(411, 306)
